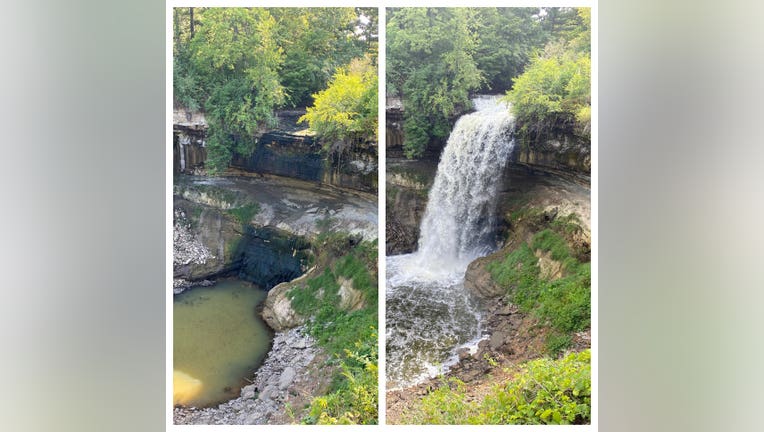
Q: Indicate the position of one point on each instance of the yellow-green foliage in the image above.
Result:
(347, 109)
(543, 391)
(553, 95)
(355, 401)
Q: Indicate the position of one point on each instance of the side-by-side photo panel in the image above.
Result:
(488, 215)
(275, 226)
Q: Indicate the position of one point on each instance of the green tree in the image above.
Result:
(508, 38)
(235, 54)
(346, 112)
(553, 95)
(431, 66)
(239, 64)
(316, 42)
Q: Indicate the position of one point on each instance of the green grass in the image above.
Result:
(245, 213)
(564, 304)
(542, 391)
(349, 337)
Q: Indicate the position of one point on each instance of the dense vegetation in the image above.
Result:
(553, 95)
(564, 303)
(240, 64)
(346, 112)
(348, 336)
(438, 57)
(542, 391)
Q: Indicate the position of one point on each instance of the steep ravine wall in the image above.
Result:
(408, 184)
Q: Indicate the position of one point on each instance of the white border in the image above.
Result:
(381, 217)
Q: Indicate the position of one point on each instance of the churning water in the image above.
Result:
(429, 312)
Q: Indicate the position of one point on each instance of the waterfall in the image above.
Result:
(430, 313)
(459, 221)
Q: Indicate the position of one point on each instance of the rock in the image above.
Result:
(463, 353)
(497, 340)
(565, 153)
(269, 392)
(478, 280)
(351, 299)
(509, 309)
(277, 310)
(549, 269)
(202, 244)
(248, 392)
(300, 343)
(286, 378)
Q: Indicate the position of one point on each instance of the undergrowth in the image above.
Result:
(542, 391)
(349, 337)
(564, 303)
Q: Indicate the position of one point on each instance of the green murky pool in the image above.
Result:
(218, 340)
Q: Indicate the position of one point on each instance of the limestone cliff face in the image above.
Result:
(216, 233)
(262, 255)
(259, 229)
(561, 154)
(408, 183)
(188, 138)
(565, 153)
(286, 151)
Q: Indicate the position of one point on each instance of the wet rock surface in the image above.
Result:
(408, 183)
(293, 372)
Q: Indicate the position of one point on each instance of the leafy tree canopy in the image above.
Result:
(553, 95)
(438, 57)
(347, 110)
(239, 64)
(431, 65)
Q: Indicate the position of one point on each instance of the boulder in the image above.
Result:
(478, 280)
(278, 312)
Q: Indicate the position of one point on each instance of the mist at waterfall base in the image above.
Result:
(430, 314)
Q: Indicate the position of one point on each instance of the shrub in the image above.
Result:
(543, 391)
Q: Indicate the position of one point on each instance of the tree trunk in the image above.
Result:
(191, 20)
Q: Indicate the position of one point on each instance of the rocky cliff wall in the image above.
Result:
(287, 152)
(408, 183)
(560, 154)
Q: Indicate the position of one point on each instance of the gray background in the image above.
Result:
(680, 215)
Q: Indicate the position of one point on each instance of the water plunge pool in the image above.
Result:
(219, 340)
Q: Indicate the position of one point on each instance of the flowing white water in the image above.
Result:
(429, 312)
